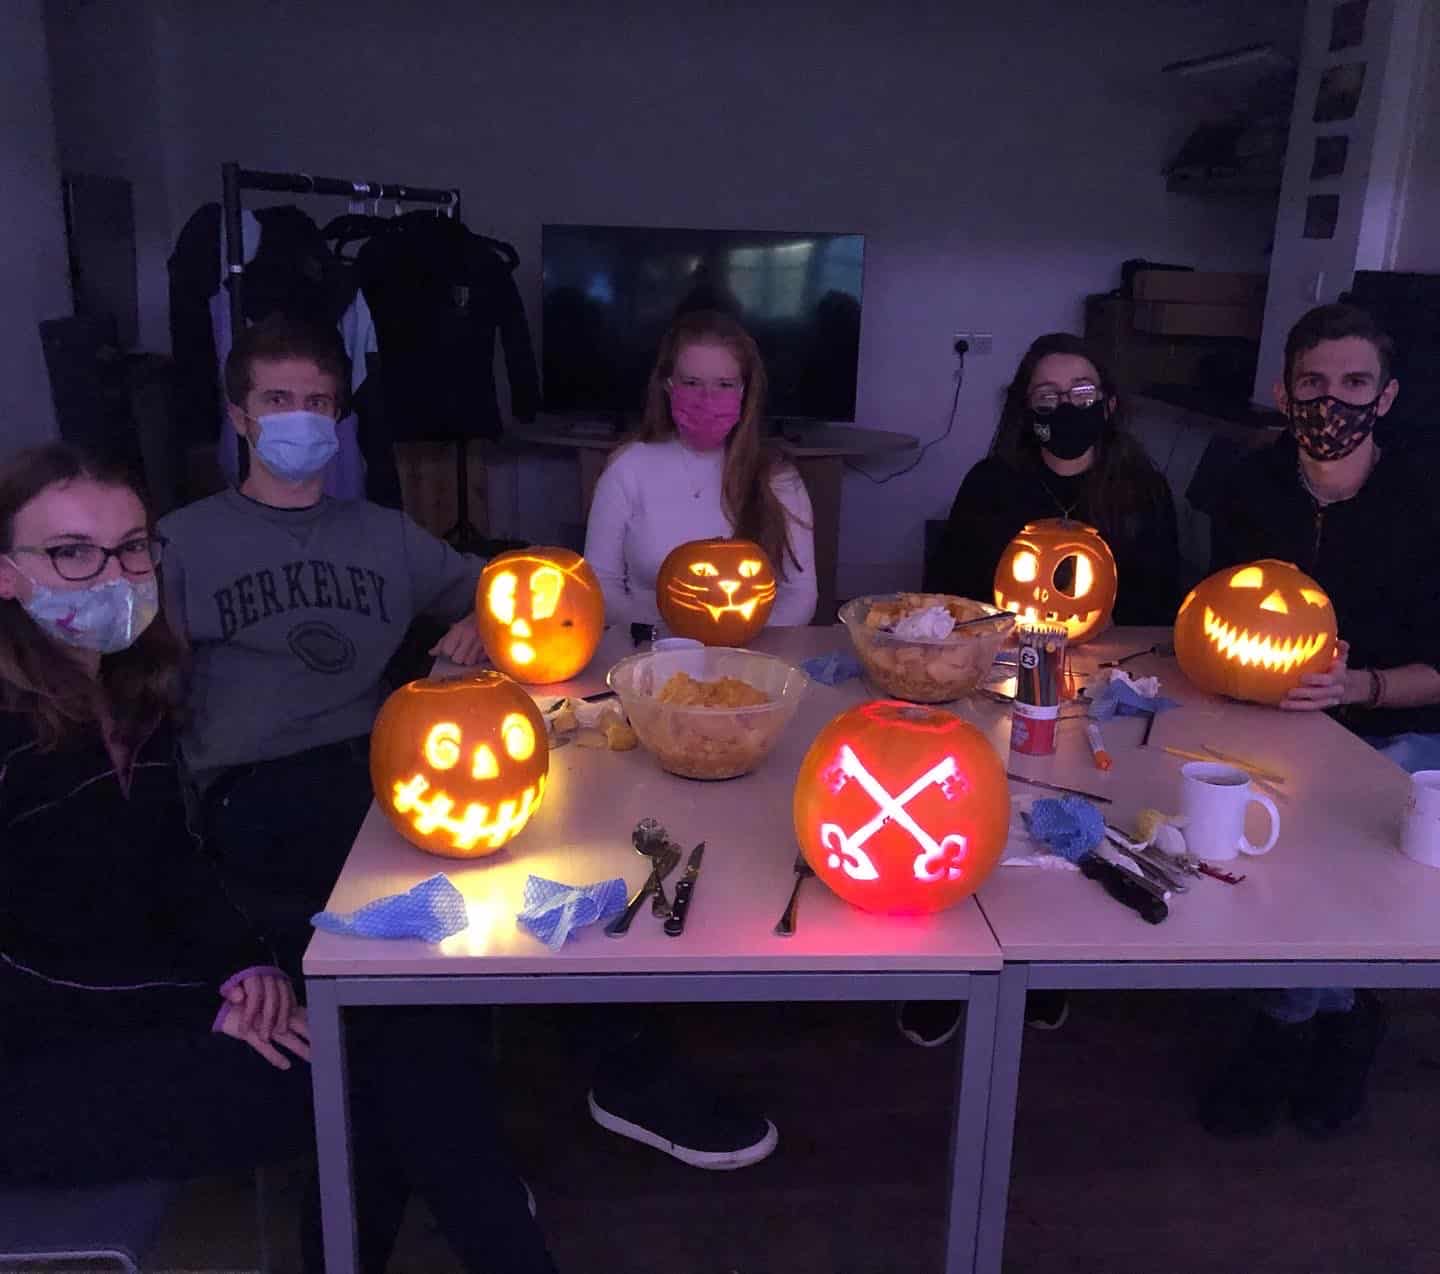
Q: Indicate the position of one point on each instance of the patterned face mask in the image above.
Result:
(1328, 429)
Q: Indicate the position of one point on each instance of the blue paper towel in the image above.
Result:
(831, 669)
(1116, 699)
(432, 910)
(1070, 826)
(553, 911)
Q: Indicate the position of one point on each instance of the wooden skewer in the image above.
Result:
(1258, 770)
(1259, 777)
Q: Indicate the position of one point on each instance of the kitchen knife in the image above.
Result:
(684, 888)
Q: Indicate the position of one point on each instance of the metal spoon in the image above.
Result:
(652, 840)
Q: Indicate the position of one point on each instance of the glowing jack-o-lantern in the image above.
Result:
(540, 613)
(717, 591)
(1058, 572)
(1252, 632)
(901, 808)
(459, 766)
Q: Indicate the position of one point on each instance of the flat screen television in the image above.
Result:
(610, 293)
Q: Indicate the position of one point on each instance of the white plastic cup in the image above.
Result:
(1420, 832)
(1213, 799)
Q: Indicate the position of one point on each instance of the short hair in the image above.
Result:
(280, 337)
(1336, 323)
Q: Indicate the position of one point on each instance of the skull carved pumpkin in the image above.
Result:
(1058, 572)
(901, 808)
(717, 591)
(459, 766)
(1252, 632)
(540, 613)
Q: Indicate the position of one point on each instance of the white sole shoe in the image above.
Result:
(709, 1160)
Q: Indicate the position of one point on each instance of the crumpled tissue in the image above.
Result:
(831, 669)
(1126, 696)
(1069, 826)
(432, 910)
(934, 623)
(553, 911)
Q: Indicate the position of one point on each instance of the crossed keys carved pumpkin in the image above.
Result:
(900, 807)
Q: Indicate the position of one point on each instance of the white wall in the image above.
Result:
(1383, 143)
(33, 271)
(1003, 160)
(1418, 247)
(108, 76)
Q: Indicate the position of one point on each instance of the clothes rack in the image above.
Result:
(234, 180)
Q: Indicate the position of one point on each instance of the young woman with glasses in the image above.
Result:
(1062, 450)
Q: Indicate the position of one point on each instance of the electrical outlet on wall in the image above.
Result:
(979, 342)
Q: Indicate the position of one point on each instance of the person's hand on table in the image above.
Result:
(261, 1003)
(1338, 684)
(293, 1035)
(462, 644)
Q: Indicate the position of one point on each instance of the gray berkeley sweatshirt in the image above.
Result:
(292, 614)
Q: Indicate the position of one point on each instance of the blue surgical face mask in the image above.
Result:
(103, 617)
(296, 445)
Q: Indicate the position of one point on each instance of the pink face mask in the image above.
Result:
(704, 418)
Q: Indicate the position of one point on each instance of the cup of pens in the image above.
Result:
(1038, 683)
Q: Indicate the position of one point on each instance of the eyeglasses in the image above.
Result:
(80, 561)
(1045, 399)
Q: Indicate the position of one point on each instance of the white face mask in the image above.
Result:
(106, 617)
(296, 445)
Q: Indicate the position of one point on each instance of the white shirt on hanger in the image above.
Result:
(654, 496)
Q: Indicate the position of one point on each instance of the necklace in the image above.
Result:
(696, 485)
(1059, 504)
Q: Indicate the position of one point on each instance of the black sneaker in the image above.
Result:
(1332, 1091)
(1247, 1096)
(678, 1114)
(1046, 1010)
(928, 1023)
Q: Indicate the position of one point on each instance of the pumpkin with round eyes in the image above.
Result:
(540, 613)
(1252, 632)
(901, 808)
(1058, 572)
(720, 592)
(459, 766)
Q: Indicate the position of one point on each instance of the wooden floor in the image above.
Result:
(1111, 1174)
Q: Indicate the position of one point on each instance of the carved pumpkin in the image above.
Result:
(1252, 632)
(1058, 572)
(717, 591)
(540, 613)
(459, 766)
(901, 808)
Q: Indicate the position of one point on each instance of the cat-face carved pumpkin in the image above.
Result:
(720, 592)
(540, 613)
(459, 766)
(1058, 572)
(1252, 632)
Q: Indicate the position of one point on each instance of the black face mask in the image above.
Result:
(1069, 431)
(1329, 429)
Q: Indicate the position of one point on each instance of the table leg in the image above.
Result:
(967, 1136)
(332, 1124)
(824, 476)
(1004, 1090)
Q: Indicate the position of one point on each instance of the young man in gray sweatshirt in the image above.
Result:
(292, 604)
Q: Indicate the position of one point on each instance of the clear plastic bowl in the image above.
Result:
(926, 671)
(707, 743)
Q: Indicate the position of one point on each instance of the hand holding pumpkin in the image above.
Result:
(1338, 684)
(461, 644)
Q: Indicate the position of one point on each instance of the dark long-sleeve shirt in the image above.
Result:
(1376, 554)
(110, 915)
(996, 500)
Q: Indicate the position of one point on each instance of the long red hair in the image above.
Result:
(747, 488)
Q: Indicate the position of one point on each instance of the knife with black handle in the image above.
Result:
(684, 889)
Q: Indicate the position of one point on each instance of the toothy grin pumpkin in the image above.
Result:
(1252, 632)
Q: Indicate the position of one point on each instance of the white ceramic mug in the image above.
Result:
(1420, 833)
(1213, 799)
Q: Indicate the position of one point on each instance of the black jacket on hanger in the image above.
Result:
(439, 296)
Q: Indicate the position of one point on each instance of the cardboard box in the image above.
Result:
(1199, 287)
(1170, 318)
